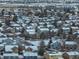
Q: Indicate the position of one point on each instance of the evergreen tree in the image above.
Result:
(0, 24)
(41, 49)
(9, 13)
(2, 12)
(70, 31)
(15, 18)
(49, 43)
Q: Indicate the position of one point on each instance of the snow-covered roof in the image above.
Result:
(44, 29)
(15, 25)
(73, 53)
(8, 48)
(1, 45)
(74, 27)
(64, 28)
(33, 47)
(30, 54)
(31, 31)
(54, 29)
(70, 42)
(10, 54)
(55, 53)
(49, 25)
(37, 43)
(61, 53)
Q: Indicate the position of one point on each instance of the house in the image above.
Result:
(58, 55)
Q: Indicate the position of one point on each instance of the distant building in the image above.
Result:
(37, 1)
